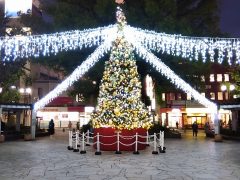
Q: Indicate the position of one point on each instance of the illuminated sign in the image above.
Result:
(14, 8)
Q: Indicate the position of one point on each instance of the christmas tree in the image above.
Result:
(119, 102)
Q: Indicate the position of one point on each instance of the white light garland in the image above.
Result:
(186, 46)
(169, 74)
(51, 44)
(77, 73)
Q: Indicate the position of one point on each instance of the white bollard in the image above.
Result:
(155, 145)
(136, 142)
(83, 151)
(147, 139)
(160, 139)
(162, 148)
(118, 145)
(88, 135)
(70, 147)
(98, 152)
(76, 141)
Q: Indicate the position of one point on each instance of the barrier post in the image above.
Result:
(155, 145)
(160, 139)
(88, 135)
(162, 148)
(118, 143)
(70, 147)
(83, 151)
(147, 139)
(98, 152)
(76, 142)
(136, 142)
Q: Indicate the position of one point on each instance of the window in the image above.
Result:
(40, 93)
(203, 94)
(226, 95)
(172, 96)
(163, 97)
(226, 77)
(212, 95)
(203, 78)
(208, 86)
(219, 77)
(189, 96)
(179, 96)
(220, 96)
(211, 77)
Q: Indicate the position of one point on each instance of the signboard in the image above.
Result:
(13, 8)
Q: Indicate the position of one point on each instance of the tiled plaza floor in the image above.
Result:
(186, 158)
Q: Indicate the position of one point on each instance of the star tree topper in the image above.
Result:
(119, 1)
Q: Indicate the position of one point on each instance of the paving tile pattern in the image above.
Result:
(185, 159)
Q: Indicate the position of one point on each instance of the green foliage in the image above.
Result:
(236, 77)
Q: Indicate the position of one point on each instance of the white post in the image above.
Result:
(88, 134)
(33, 124)
(83, 151)
(160, 138)
(118, 141)
(217, 137)
(155, 144)
(76, 140)
(83, 138)
(136, 143)
(147, 138)
(70, 138)
(98, 145)
(70, 147)
(118, 145)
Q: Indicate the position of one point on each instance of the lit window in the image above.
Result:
(219, 78)
(212, 95)
(226, 77)
(220, 96)
(163, 97)
(226, 95)
(203, 78)
(189, 96)
(211, 77)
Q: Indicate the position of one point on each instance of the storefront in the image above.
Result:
(62, 116)
(187, 116)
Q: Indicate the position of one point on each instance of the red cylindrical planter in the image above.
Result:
(108, 139)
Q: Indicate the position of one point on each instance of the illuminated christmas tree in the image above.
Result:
(119, 102)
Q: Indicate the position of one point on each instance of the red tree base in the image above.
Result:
(128, 143)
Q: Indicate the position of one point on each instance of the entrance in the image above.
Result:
(201, 120)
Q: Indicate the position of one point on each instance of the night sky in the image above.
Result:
(230, 17)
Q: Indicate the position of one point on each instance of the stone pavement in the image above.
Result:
(186, 158)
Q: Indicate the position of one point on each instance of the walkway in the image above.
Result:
(186, 158)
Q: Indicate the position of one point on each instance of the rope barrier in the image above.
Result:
(84, 139)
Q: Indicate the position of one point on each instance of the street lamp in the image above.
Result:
(1, 89)
(26, 92)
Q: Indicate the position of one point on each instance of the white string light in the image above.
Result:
(51, 44)
(188, 47)
(77, 73)
(169, 74)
